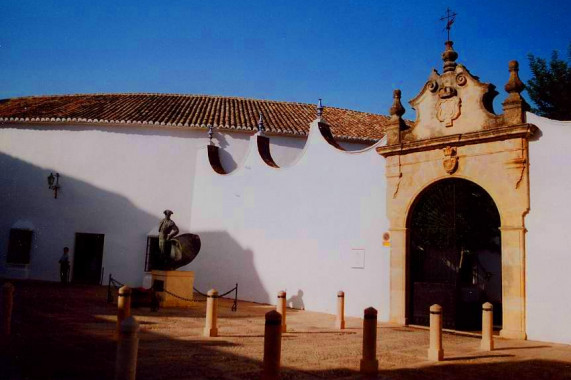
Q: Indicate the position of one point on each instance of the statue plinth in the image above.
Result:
(176, 282)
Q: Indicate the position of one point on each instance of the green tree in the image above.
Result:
(550, 86)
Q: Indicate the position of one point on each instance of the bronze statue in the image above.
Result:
(174, 251)
(167, 230)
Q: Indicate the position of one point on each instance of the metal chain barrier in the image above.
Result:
(181, 297)
(116, 285)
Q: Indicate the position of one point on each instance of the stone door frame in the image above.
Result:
(495, 161)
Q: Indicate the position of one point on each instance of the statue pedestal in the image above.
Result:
(175, 282)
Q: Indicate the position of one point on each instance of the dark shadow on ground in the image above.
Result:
(66, 333)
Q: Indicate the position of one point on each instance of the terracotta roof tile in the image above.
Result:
(196, 111)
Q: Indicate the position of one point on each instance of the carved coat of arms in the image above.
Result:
(450, 161)
(448, 110)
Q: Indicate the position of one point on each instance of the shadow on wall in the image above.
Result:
(296, 302)
(228, 162)
(80, 207)
(223, 262)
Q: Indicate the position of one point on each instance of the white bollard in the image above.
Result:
(272, 345)
(435, 352)
(127, 349)
(211, 327)
(281, 308)
(369, 363)
(340, 320)
(123, 305)
(487, 327)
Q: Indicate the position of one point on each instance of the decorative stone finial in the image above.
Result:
(449, 57)
(210, 133)
(397, 109)
(319, 109)
(261, 128)
(515, 105)
(514, 83)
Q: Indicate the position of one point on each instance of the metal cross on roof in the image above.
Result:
(450, 17)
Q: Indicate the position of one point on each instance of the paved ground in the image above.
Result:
(67, 333)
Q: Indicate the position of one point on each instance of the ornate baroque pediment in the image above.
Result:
(454, 102)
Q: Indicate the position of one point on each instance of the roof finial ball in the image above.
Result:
(396, 110)
(261, 128)
(319, 109)
(515, 105)
(449, 57)
(514, 83)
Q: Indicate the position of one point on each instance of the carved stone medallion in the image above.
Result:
(450, 161)
(448, 110)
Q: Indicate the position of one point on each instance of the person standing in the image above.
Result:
(64, 266)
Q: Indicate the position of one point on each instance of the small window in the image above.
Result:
(19, 246)
(152, 253)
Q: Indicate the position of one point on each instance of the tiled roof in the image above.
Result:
(191, 111)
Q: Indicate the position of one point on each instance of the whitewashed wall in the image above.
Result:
(548, 236)
(115, 180)
(295, 228)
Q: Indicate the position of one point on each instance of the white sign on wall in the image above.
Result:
(358, 258)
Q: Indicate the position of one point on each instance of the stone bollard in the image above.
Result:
(281, 308)
(340, 320)
(435, 352)
(127, 348)
(123, 305)
(487, 327)
(272, 345)
(211, 328)
(369, 362)
(7, 304)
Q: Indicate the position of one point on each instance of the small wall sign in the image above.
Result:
(358, 258)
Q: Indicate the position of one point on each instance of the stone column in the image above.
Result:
(340, 320)
(272, 345)
(127, 349)
(369, 362)
(211, 327)
(487, 327)
(281, 308)
(123, 305)
(7, 305)
(435, 352)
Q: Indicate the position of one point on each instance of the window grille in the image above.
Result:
(152, 252)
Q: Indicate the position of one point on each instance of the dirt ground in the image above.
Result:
(67, 333)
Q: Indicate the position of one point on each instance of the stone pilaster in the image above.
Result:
(513, 282)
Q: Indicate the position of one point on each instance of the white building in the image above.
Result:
(310, 211)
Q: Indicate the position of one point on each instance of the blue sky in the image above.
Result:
(351, 53)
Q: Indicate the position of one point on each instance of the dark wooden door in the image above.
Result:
(87, 258)
(452, 223)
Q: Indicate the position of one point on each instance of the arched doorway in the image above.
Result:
(454, 254)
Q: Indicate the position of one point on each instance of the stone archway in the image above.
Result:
(453, 254)
(457, 135)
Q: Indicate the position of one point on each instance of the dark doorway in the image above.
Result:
(454, 255)
(87, 258)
